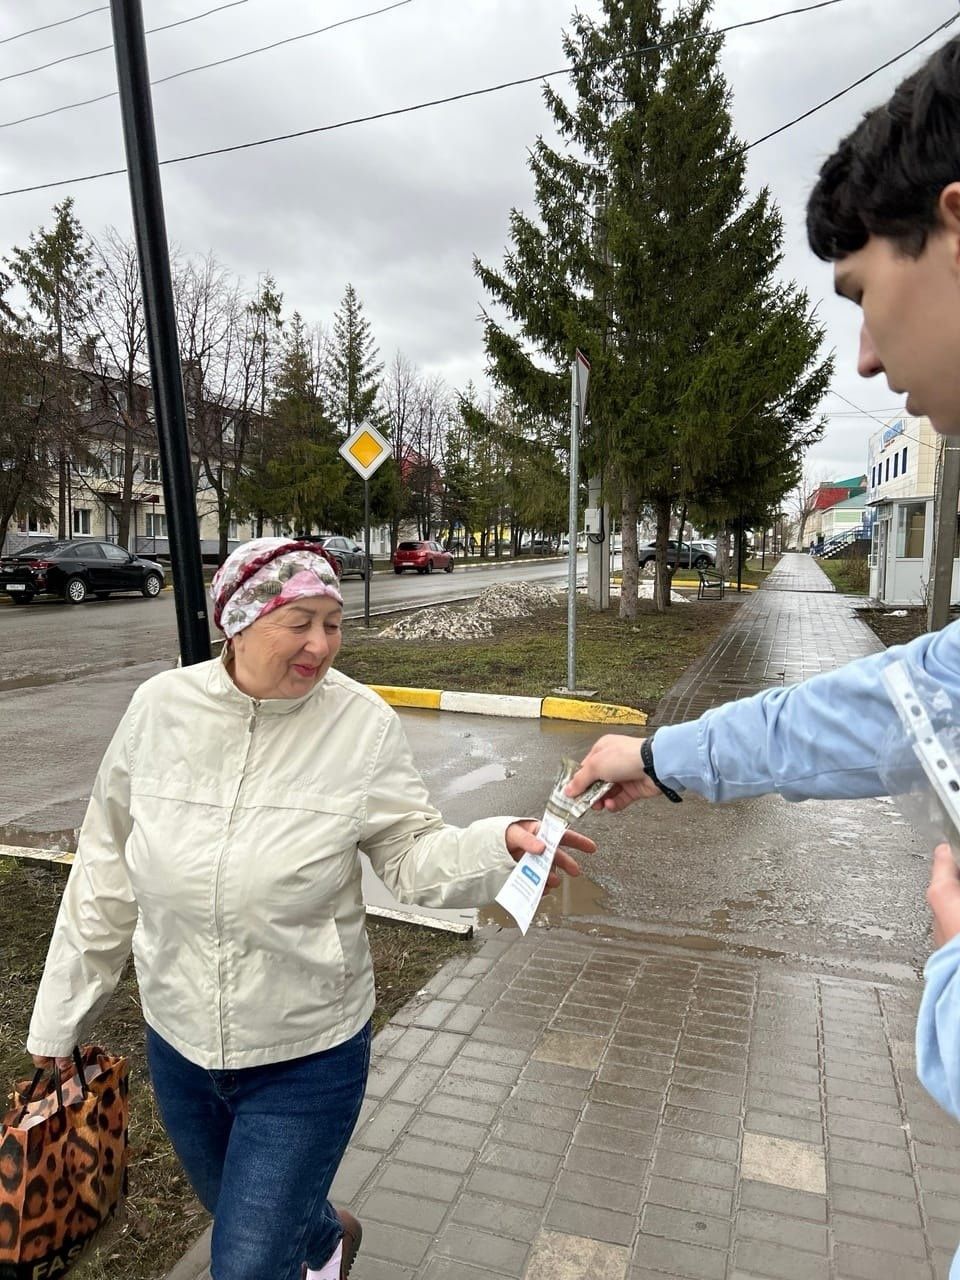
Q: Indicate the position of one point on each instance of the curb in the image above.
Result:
(500, 704)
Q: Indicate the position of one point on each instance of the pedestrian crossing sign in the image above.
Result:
(365, 449)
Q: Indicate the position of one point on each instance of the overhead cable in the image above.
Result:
(205, 66)
(856, 84)
(103, 48)
(460, 97)
(48, 26)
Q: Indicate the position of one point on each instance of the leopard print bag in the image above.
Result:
(63, 1163)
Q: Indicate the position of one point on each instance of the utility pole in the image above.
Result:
(945, 503)
(140, 142)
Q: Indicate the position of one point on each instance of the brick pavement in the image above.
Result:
(795, 626)
(562, 1107)
(565, 1106)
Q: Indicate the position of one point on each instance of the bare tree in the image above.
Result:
(112, 382)
(399, 395)
(222, 371)
(430, 422)
(803, 501)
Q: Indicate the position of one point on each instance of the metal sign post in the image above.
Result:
(140, 142)
(365, 450)
(579, 381)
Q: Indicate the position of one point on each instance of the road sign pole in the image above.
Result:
(139, 135)
(366, 545)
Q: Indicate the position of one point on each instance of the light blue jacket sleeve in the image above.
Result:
(938, 1028)
(938, 1036)
(817, 740)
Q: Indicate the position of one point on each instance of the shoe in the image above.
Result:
(352, 1235)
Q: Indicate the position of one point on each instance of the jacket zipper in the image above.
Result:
(217, 908)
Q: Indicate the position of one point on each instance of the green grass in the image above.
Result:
(851, 577)
(162, 1215)
(626, 662)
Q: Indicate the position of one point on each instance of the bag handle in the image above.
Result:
(57, 1084)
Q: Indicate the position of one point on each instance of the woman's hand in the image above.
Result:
(65, 1064)
(943, 895)
(614, 758)
(521, 838)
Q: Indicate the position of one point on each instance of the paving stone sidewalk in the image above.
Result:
(565, 1106)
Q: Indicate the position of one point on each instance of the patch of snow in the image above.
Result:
(473, 620)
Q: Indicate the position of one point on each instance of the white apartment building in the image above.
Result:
(901, 480)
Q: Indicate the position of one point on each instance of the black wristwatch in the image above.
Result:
(646, 755)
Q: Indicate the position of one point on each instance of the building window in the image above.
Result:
(116, 464)
(873, 476)
(31, 524)
(86, 466)
(277, 529)
(81, 522)
(887, 471)
(233, 531)
(151, 467)
(903, 461)
(896, 463)
(911, 518)
(156, 524)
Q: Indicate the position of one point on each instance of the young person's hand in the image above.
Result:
(943, 895)
(614, 758)
(521, 838)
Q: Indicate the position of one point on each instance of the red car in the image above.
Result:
(423, 556)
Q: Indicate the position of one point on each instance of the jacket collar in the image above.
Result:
(220, 686)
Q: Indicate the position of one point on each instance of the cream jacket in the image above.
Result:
(222, 842)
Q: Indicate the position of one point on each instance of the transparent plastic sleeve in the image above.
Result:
(920, 756)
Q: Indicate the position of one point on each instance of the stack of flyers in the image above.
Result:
(523, 890)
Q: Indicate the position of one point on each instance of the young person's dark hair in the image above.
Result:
(885, 178)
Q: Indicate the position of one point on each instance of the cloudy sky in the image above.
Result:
(400, 206)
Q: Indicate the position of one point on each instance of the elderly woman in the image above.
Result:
(222, 841)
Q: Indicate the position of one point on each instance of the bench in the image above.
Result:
(710, 580)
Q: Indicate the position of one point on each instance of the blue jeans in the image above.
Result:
(261, 1146)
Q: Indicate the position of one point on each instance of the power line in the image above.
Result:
(436, 102)
(205, 66)
(103, 48)
(868, 414)
(48, 26)
(856, 84)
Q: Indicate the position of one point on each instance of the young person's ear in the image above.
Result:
(949, 207)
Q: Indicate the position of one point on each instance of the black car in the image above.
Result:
(75, 570)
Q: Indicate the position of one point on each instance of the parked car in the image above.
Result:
(424, 556)
(700, 555)
(348, 556)
(77, 569)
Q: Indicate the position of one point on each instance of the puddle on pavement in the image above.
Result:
(574, 896)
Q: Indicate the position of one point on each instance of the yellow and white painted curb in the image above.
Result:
(501, 704)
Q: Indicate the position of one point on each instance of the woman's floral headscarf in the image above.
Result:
(264, 574)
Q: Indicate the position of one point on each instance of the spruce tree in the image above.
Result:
(304, 479)
(649, 255)
(57, 273)
(352, 387)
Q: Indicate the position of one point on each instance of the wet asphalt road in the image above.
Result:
(50, 641)
(837, 885)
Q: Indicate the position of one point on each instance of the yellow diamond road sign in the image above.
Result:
(365, 450)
